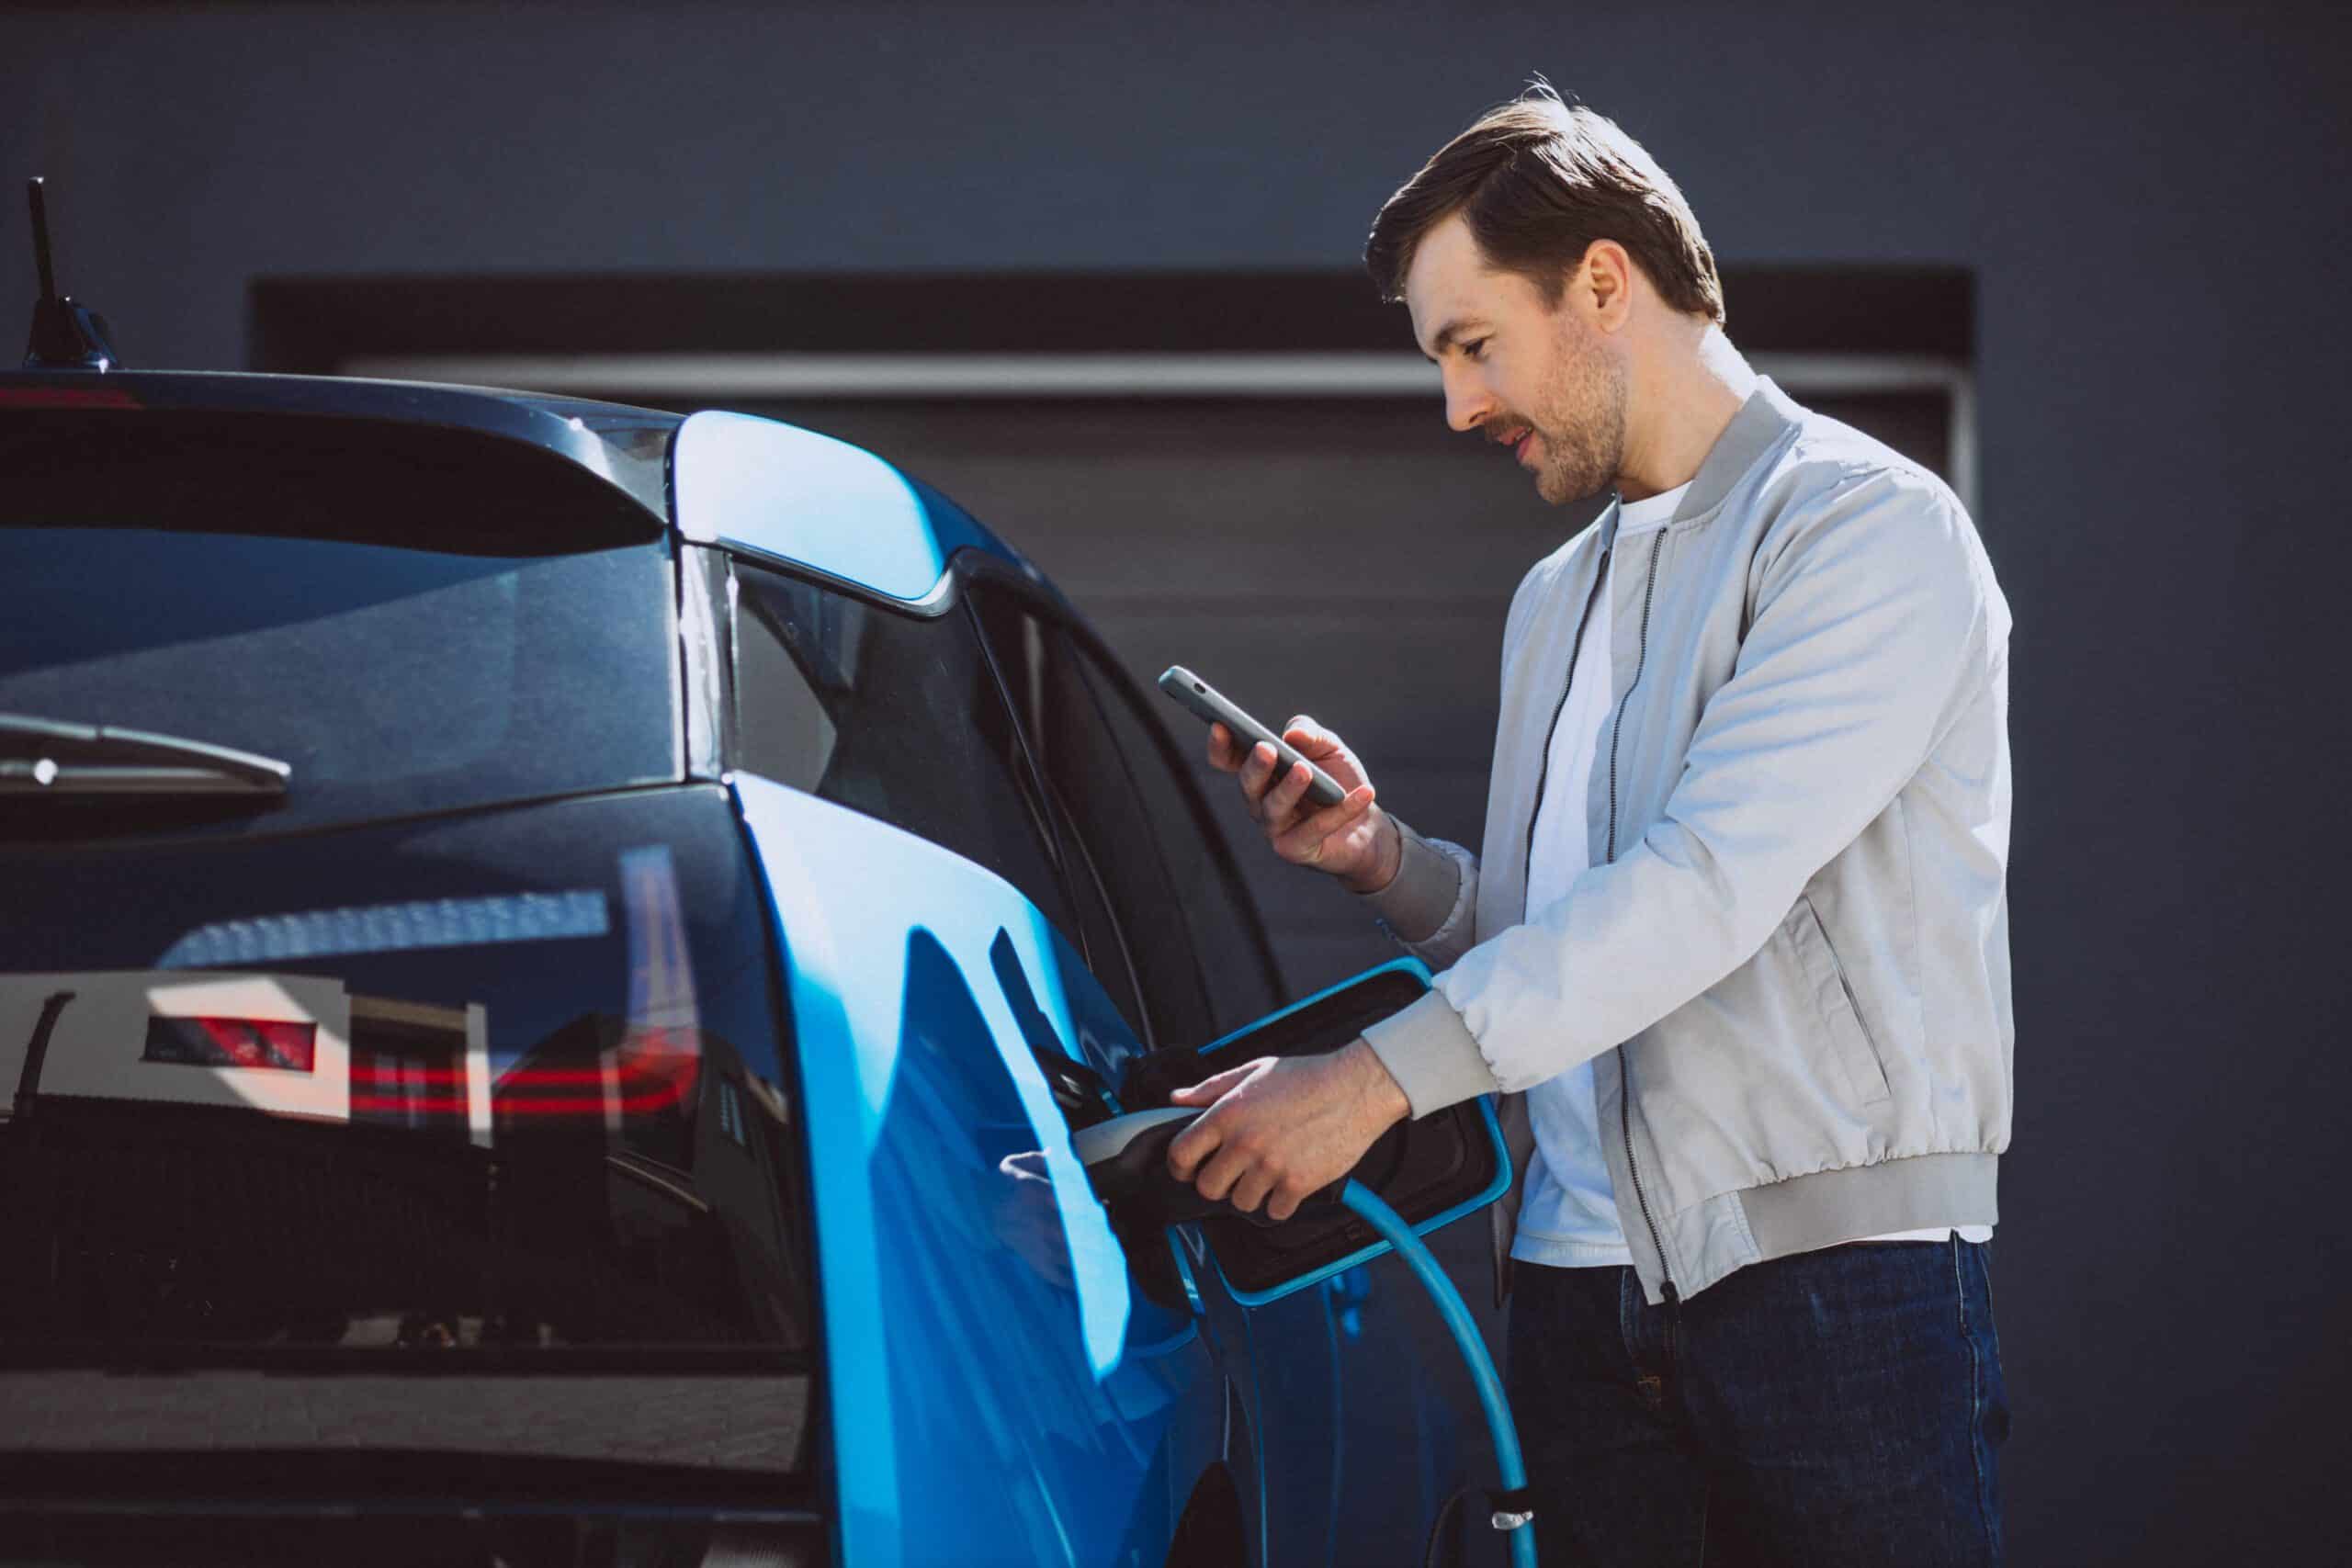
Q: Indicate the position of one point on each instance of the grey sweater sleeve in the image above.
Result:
(1427, 906)
(1432, 1055)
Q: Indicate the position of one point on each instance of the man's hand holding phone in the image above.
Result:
(1353, 840)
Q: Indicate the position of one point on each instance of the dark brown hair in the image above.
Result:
(1538, 180)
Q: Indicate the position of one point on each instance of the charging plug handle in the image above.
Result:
(1127, 1158)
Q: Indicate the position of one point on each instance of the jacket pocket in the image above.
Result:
(1844, 1029)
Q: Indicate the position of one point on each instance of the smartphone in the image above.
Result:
(1212, 706)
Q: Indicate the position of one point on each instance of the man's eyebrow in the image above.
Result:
(1447, 334)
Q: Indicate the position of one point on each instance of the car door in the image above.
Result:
(1368, 1421)
(1010, 1384)
(1202, 971)
(1363, 1389)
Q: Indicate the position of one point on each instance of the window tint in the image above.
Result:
(1207, 892)
(892, 713)
(1115, 781)
(1101, 936)
(1080, 762)
(408, 617)
(1084, 784)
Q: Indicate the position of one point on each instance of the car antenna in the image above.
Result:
(65, 336)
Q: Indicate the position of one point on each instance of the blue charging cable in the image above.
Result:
(1398, 1234)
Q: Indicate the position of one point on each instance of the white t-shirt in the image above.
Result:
(1568, 1217)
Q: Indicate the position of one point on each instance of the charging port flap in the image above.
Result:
(1433, 1171)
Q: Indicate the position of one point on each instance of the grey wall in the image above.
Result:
(2151, 199)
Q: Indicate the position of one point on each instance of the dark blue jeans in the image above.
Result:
(1841, 1406)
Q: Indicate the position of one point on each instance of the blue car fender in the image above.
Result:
(997, 1388)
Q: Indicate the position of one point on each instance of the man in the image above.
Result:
(1737, 947)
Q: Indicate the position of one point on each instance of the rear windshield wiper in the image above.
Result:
(41, 756)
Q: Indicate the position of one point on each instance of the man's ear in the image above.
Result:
(1603, 285)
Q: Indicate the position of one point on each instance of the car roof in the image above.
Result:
(630, 448)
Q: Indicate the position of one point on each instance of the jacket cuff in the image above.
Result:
(1420, 898)
(1432, 1055)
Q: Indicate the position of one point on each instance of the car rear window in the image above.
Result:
(413, 618)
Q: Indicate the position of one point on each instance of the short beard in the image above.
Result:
(1581, 419)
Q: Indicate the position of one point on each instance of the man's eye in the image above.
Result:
(1475, 349)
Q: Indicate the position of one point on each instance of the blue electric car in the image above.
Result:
(550, 957)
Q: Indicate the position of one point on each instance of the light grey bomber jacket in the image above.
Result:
(1789, 961)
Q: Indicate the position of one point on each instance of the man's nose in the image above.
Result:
(1468, 404)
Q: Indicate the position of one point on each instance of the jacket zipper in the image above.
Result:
(1544, 772)
(1617, 730)
(1624, 1064)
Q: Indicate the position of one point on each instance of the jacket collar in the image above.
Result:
(1762, 420)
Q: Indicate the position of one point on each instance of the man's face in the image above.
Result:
(1538, 379)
